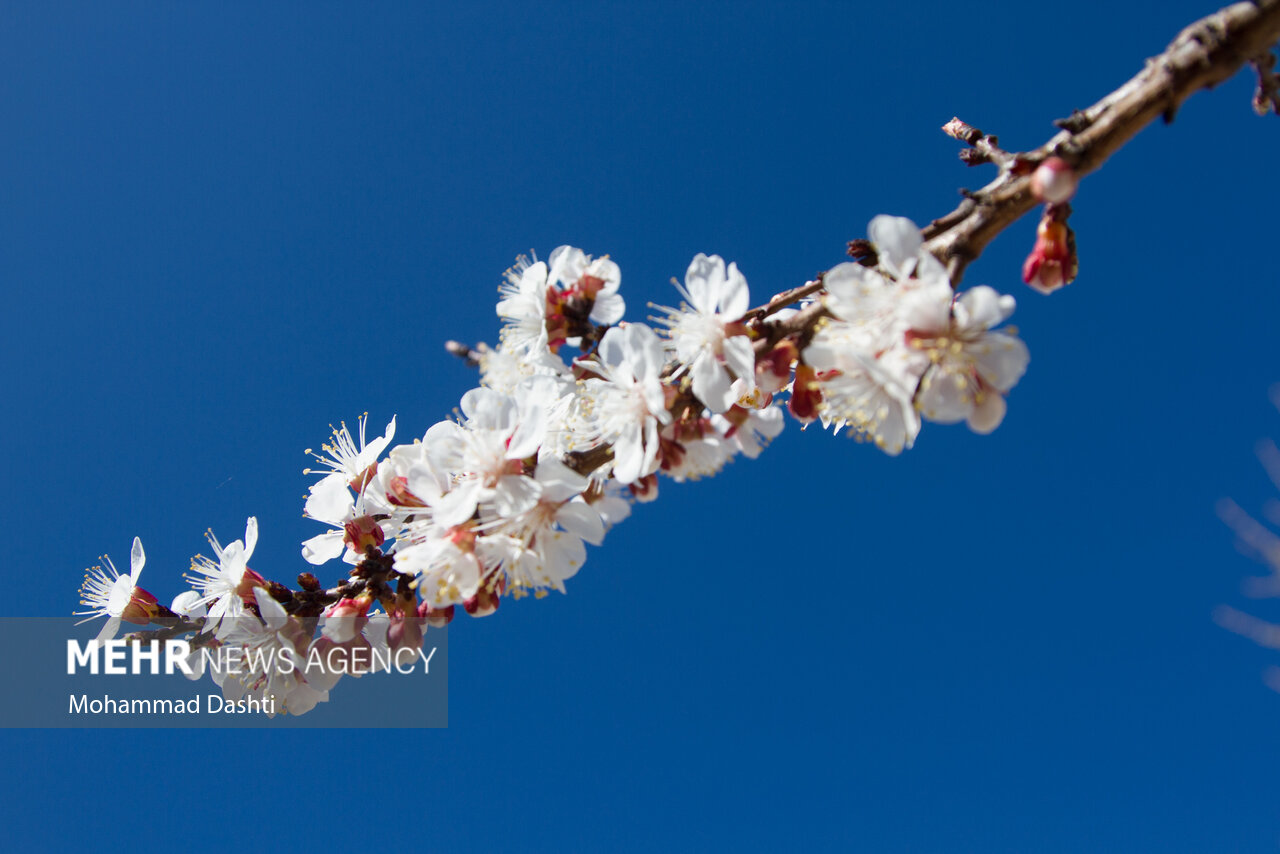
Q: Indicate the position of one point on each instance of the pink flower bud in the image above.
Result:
(1052, 262)
(773, 369)
(806, 394)
(645, 489)
(436, 618)
(346, 618)
(404, 631)
(1054, 181)
(487, 598)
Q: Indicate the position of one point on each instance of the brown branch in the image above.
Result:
(1202, 56)
(784, 299)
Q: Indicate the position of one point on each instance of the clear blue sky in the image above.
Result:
(223, 228)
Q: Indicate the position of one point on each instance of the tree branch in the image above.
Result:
(1202, 56)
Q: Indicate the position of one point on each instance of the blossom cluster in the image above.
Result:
(577, 415)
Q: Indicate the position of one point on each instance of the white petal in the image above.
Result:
(945, 397)
(489, 409)
(982, 308)
(330, 500)
(250, 536)
(628, 454)
(897, 242)
(703, 281)
(515, 494)
(734, 297)
(109, 630)
(273, 613)
(137, 559)
(580, 520)
(988, 414)
(741, 358)
(645, 351)
(323, 548)
(458, 505)
(608, 309)
(559, 482)
(711, 382)
(611, 352)
(187, 604)
(1001, 359)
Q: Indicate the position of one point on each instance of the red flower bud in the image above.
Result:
(142, 608)
(487, 598)
(645, 489)
(1052, 262)
(773, 368)
(436, 618)
(806, 394)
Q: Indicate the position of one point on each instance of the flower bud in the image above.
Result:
(773, 369)
(487, 598)
(436, 618)
(1052, 262)
(645, 489)
(142, 608)
(346, 618)
(1054, 181)
(806, 394)
(404, 631)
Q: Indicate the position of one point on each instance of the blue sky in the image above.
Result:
(223, 228)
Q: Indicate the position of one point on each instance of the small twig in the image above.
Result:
(468, 354)
(784, 299)
(1267, 97)
(984, 147)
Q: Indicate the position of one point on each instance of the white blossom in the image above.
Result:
(107, 593)
(627, 405)
(223, 583)
(710, 342)
(972, 367)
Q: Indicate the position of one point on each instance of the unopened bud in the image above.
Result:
(645, 489)
(487, 598)
(436, 618)
(345, 619)
(1054, 181)
(1052, 262)
(806, 394)
(404, 631)
(773, 369)
(142, 608)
